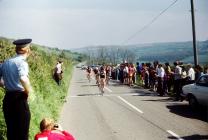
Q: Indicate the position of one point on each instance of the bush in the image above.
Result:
(49, 97)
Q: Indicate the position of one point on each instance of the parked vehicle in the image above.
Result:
(197, 93)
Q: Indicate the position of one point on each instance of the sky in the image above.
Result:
(67, 24)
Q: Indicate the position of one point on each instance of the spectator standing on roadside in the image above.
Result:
(121, 73)
(143, 73)
(168, 74)
(108, 73)
(117, 72)
(131, 74)
(152, 78)
(126, 73)
(160, 76)
(146, 77)
(155, 64)
(134, 78)
(190, 74)
(138, 71)
(183, 76)
(177, 80)
(15, 72)
(58, 72)
(198, 72)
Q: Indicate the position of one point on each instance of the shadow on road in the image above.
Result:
(161, 100)
(192, 137)
(142, 92)
(89, 94)
(89, 85)
(119, 84)
(185, 111)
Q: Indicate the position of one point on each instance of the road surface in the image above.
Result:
(125, 113)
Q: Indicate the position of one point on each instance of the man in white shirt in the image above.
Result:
(58, 72)
(177, 80)
(126, 72)
(160, 75)
(191, 74)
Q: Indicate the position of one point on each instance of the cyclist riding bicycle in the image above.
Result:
(102, 79)
(96, 73)
(88, 70)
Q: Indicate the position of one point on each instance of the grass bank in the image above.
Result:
(48, 97)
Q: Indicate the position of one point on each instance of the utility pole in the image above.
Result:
(194, 33)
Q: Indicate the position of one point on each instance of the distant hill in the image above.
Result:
(164, 52)
(6, 42)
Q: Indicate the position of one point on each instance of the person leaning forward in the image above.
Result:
(14, 75)
(51, 131)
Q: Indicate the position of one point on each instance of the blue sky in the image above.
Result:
(79, 23)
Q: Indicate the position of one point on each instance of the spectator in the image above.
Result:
(168, 75)
(177, 80)
(152, 79)
(183, 76)
(131, 73)
(58, 72)
(190, 74)
(51, 131)
(146, 77)
(198, 71)
(138, 70)
(160, 76)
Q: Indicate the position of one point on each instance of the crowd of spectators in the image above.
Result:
(164, 79)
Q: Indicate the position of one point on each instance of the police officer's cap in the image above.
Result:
(22, 42)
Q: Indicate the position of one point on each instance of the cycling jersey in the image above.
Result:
(102, 74)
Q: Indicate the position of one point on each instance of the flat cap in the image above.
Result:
(22, 42)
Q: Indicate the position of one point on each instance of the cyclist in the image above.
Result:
(96, 73)
(102, 79)
(88, 70)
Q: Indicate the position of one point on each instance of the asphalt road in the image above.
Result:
(125, 113)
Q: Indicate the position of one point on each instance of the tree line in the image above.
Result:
(107, 55)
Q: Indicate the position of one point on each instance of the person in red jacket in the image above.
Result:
(51, 131)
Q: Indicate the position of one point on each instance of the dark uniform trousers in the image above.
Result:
(160, 88)
(17, 115)
(178, 88)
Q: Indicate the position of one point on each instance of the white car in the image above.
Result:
(197, 93)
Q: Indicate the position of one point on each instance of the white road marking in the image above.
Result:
(174, 134)
(138, 110)
(108, 89)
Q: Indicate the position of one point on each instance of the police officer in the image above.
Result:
(14, 73)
